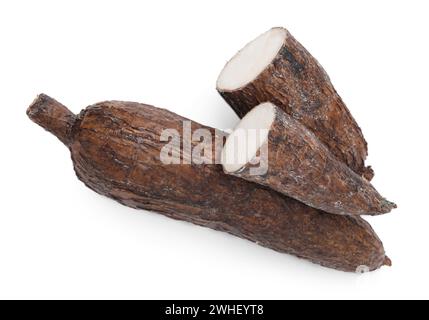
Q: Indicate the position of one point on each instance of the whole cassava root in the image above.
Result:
(277, 68)
(300, 166)
(115, 148)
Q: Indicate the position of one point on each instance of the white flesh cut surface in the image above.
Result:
(250, 61)
(249, 135)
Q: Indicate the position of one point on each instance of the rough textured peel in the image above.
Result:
(115, 148)
(295, 82)
(300, 166)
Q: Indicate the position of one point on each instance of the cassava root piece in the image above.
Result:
(277, 68)
(298, 165)
(115, 148)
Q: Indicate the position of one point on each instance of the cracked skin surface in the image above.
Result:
(296, 82)
(302, 167)
(115, 149)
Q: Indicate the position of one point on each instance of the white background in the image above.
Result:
(58, 239)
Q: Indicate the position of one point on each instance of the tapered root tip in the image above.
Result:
(368, 173)
(387, 262)
(383, 206)
(52, 116)
(388, 205)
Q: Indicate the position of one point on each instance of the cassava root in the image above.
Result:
(298, 165)
(275, 67)
(115, 148)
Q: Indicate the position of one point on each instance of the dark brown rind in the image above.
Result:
(116, 152)
(300, 166)
(297, 83)
(52, 116)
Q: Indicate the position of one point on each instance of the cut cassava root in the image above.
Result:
(115, 148)
(297, 164)
(276, 68)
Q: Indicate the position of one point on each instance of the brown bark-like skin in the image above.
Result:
(115, 147)
(53, 116)
(297, 83)
(300, 166)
